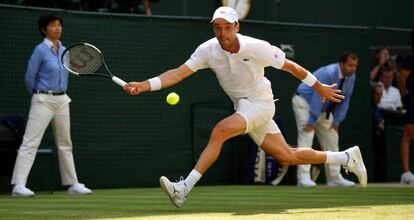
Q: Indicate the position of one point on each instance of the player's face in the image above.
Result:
(53, 30)
(225, 33)
(349, 67)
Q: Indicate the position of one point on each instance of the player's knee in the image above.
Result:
(220, 131)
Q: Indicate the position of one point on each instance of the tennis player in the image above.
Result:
(238, 62)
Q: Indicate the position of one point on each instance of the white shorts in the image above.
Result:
(258, 115)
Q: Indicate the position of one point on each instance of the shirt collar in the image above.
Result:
(241, 42)
(49, 43)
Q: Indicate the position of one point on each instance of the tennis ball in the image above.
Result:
(173, 98)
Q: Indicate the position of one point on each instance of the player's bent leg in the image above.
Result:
(227, 128)
(276, 146)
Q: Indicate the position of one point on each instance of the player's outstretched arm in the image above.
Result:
(326, 91)
(166, 79)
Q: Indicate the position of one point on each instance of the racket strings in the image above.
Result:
(84, 59)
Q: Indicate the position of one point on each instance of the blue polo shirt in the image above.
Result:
(45, 70)
(329, 74)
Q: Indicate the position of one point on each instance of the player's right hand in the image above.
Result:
(135, 88)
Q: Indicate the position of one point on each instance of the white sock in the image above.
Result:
(192, 179)
(338, 158)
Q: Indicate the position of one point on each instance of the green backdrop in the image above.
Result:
(396, 13)
(125, 141)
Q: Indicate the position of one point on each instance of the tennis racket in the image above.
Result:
(83, 59)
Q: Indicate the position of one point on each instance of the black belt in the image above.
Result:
(48, 92)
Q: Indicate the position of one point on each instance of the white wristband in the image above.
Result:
(155, 83)
(310, 79)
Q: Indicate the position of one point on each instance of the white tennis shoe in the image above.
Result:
(355, 164)
(79, 189)
(407, 178)
(21, 190)
(306, 182)
(177, 192)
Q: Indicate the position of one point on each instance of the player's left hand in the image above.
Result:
(329, 92)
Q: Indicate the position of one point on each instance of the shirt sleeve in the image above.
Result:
(199, 59)
(33, 69)
(269, 55)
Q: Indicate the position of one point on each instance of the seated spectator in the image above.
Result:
(391, 98)
(381, 57)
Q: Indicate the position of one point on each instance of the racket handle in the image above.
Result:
(122, 83)
(119, 81)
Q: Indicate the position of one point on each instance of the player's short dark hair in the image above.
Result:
(45, 19)
(347, 55)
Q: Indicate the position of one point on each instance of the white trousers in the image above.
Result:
(43, 110)
(328, 138)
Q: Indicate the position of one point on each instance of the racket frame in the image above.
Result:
(117, 80)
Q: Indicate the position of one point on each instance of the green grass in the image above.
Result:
(218, 202)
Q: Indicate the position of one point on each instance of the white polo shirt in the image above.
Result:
(391, 99)
(240, 74)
